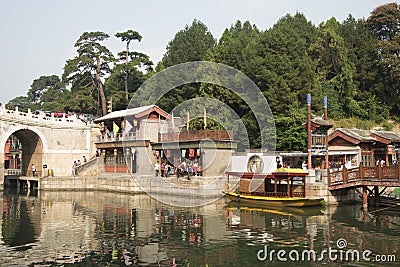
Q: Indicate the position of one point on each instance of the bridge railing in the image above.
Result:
(378, 173)
(41, 117)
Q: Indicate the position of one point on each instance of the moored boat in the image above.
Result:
(282, 188)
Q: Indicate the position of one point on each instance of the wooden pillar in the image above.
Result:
(361, 171)
(275, 186)
(397, 171)
(380, 172)
(309, 165)
(365, 197)
(376, 196)
(344, 174)
(304, 186)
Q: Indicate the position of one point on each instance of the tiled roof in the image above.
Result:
(394, 137)
(125, 112)
(365, 135)
(320, 121)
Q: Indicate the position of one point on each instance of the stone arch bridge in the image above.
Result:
(47, 140)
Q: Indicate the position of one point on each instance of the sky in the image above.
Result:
(37, 37)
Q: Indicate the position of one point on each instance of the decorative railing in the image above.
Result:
(13, 172)
(215, 135)
(40, 117)
(130, 136)
(378, 173)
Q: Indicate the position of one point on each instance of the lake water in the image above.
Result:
(109, 229)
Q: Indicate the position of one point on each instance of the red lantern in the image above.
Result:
(191, 153)
(198, 153)
(157, 154)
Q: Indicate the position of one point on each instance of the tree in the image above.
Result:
(384, 23)
(44, 90)
(234, 42)
(368, 77)
(190, 44)
(93, 59)
(127, 37)
(336, 71)
(20, 101)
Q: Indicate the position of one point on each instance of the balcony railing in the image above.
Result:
(215, 135)
(117, 137)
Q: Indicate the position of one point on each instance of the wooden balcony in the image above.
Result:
(215, 135)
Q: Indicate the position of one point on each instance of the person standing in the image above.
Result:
(84, 159)
(157, 168)
(253, 167)
(162, 168)
(33, 170)
(304, 165)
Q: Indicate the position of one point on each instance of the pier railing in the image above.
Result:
(346, 176)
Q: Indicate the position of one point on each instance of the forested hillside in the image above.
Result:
(354, 62)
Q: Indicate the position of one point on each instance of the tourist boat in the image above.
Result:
(282, 188)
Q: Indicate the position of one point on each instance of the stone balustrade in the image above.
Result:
(61, 119)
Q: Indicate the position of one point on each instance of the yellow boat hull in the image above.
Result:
(261, 201)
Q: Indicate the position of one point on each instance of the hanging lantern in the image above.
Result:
(198, 153)
(191, 153)
(157, 154)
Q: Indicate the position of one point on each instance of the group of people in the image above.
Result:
(76, 164)
(183, 169)
(163, 169)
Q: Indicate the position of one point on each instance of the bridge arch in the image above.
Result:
(33, 143)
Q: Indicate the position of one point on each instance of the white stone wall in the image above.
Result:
(61, 140)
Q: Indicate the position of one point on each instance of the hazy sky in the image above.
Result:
(37, 37)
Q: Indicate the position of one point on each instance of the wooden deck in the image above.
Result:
(388, 176)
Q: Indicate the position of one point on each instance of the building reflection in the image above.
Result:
(102, 228)
(18, 231)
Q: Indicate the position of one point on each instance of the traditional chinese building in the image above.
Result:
(355, 146)
(133, 140)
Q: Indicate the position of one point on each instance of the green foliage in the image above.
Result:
(354, 123)
(384, 25)
(20, 101)
(290, 134)
(190, 44)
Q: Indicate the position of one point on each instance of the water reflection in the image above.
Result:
(101, 228)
